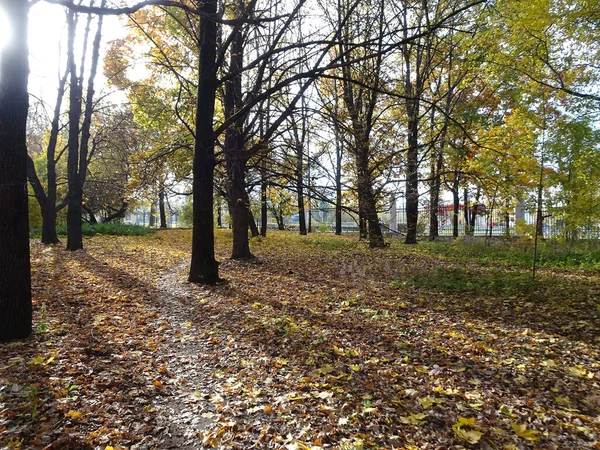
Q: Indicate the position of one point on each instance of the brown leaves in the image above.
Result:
(276, 361)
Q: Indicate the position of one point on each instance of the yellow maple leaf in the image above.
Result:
(471, 436)
(522, 431)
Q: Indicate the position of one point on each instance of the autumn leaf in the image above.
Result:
(522, 431)
(471, 436)
(37, 360)
(413, 419)
(75, 415)
(464, 428)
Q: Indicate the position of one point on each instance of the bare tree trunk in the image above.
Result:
(78, 155)
(434, 204)
(264, 212)
(47, 201)
(456, 205)
(219, 215)
(162, 209)
(152, 218)
(15, 272)
(203, 266)
(466, 212)
(300, 191)
(234, 148)
(251, 222)
(75, 196)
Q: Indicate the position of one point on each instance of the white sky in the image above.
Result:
(47, 30)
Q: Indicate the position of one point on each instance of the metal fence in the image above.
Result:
(487, 223)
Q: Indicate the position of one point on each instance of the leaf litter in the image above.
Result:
(317, 346)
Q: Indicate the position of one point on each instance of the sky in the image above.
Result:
(47, 31)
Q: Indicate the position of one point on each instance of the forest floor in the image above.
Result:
(319, 343)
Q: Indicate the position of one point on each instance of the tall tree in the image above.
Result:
(79, 130)
(203, 266)
(15, 272)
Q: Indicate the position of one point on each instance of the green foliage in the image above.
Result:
(112, 229)
(35, 214)
(186, 217)
(42, 325)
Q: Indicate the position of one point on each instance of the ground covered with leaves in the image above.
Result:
(318, 343)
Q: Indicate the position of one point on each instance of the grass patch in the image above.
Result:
(460, 280)
(331, 242)
(112, 229)
(551, 253)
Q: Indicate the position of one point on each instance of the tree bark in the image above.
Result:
(434, 203)
(300, 190)
(152, 218)
(251, 222)
(119, 214)
(234, 151)
(75, 196)
(15, 271)
(47, 201)
(162, 209)
(203, 266)
(264, 212)
(456, 205)
(78, 150)
(236, 197)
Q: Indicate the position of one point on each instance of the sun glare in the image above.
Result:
(4, 30)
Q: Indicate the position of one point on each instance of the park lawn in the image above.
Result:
(318, 343)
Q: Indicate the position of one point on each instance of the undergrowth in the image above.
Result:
(460, 279)
(551, 253)
(112, 229)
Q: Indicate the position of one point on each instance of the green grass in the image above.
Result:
(460, 280)
(551, 253)
(113, 229)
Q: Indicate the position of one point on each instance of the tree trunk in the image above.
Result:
(75, 196)
(234, 149)
(219, 215)
(338, 193)
(367, 200)
(119, 214)
(47, 201)
(203, 266)
(252, 224)
(436, 167)
(456, 205)
(236, 199)
(15, 272)
(466, 212)
(91, 216)
(264, 212)
(152, 218)
(300, 191)
(412, 175)
(162, 209)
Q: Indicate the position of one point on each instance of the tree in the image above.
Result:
(203, 266)
(47, 198)
(79, 134)
(15, 272)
